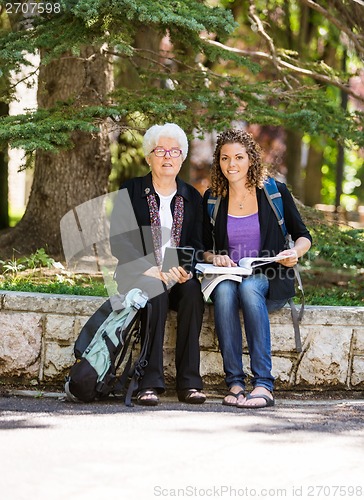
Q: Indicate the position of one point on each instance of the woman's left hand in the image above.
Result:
(177, 275)
(289, 257)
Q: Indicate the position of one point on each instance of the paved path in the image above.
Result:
(55, 450)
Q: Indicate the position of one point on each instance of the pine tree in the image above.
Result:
(76, 106)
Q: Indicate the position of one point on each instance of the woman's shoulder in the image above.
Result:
(187, 190)
(207, 194)
(138, 185)
(134, 181)
(281, 186)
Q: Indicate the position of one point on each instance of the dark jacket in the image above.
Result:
(271, 237)
(130, 234)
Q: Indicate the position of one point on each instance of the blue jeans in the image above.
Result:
(249, 295)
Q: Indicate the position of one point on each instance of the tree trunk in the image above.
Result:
(313, 182)
(4, 185)
(293, 161)
(341, 151)
(70, 177)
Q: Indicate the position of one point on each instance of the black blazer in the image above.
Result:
(130, 234)
(272, 241)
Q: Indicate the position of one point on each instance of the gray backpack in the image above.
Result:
(105, 346)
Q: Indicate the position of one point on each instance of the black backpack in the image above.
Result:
(105, 346)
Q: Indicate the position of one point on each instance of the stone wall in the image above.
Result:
(37, 333)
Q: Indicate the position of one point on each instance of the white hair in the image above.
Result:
(170, 130)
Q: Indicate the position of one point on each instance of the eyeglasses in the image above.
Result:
(173, 153)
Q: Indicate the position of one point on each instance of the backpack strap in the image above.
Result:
(141, 362)
(213, 204)
(274, 198)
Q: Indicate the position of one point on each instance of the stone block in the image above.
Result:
(79, 324)
(51, 303)
(170, 330)
(58, 359)
(358, 343)
(211, 368)
(61, 328)
(357, 376)
(331, 315)
(282, 368)
(325, 362)
(21, 343)
(282, 337)
(208, 338)
(169, 365)
(283, 316)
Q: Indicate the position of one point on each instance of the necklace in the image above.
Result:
(241, 203)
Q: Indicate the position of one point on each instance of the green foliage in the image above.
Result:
(12, 266)
(353, 184)
(26, 274)
(348, 294)
(333, 269)
(236, 88)
(194, 105)
(127, 159)
(342, 247)
(95, 289)
(38, 259)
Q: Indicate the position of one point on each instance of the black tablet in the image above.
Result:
(178, 256)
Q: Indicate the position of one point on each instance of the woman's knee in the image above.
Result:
(258, 285)
(187, 294)
(225, 290)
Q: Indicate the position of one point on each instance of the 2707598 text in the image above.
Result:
(35, 8)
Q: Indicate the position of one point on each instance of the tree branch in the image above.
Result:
(260, 29)
(354, 37)
(295, 69)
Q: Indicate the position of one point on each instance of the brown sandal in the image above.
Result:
(191, 396)
(144, 399)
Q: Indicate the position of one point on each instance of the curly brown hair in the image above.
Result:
(257, 171)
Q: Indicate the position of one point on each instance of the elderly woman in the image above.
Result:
(162, 211)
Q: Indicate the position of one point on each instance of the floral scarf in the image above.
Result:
(155, 224)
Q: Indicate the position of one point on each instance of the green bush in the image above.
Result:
(336, 244)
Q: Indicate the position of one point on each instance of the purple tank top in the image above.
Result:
(244, 236)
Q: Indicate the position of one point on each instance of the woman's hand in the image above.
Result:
(176, 275)
(223, 261)
(155, 272)
(289, 257)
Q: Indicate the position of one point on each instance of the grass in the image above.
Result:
(92, 288)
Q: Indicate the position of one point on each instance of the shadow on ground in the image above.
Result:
(291, 413)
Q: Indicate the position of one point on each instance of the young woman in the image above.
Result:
(247, 227)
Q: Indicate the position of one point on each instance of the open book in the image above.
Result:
(251, 262)
(212, 275)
